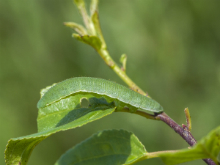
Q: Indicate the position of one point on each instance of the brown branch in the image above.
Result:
(184, 133)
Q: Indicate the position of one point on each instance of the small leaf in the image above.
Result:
(188, 119)
(82, 9)
(109, 147)
(93, 6)
(207, 147)
(95, 20)
(123, 60)
(78, 28)
(18, 150)
(90, 40)
(80, 4)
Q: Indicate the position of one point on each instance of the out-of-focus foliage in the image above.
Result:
(173, 54)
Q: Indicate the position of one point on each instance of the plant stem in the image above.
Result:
(184, 133)
(93, 26)
(111, 63)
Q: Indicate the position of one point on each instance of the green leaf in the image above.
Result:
(123, 60)
(92, 35)
(110, 147)
(93, 41)
(93, 6)
(207, 147)
(86, 19)
(18, 150)
(58, 117)
(95, 21)
(78, 28)
(79, 3)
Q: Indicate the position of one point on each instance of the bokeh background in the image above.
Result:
(173, 50)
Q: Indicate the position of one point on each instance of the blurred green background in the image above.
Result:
(173, 50)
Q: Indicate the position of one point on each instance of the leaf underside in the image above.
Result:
(109, 147)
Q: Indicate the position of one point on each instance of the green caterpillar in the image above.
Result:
(111, 91)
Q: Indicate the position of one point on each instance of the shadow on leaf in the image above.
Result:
(95, 105)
